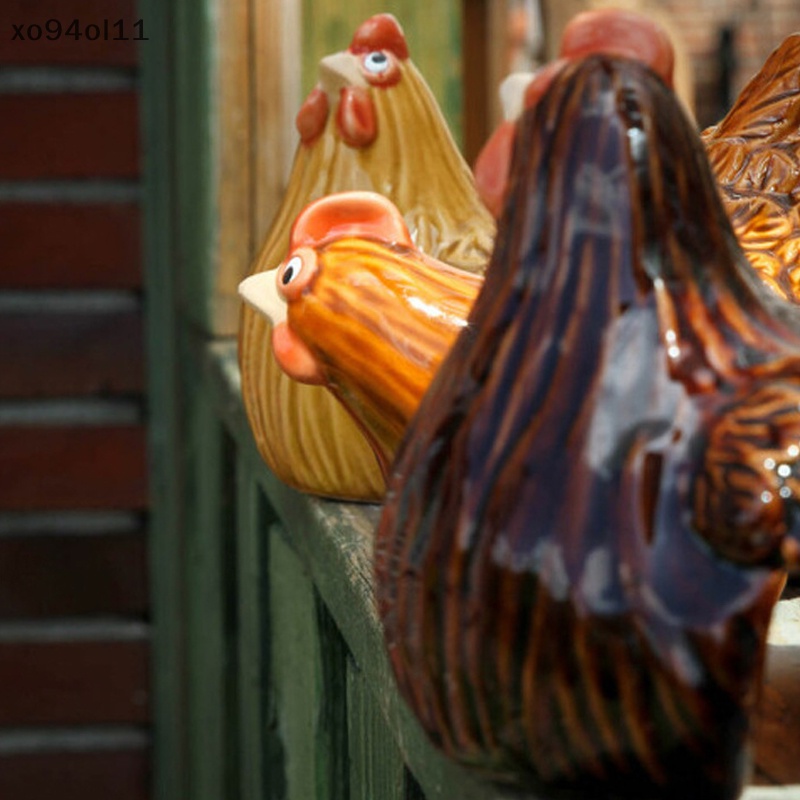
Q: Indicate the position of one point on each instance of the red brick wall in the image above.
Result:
(74, 636)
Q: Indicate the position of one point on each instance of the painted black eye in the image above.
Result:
(291, 270)
(376, 62)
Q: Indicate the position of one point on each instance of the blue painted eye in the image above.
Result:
(376, 62)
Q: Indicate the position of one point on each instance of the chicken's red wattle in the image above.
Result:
(312, 116)
(356, 120)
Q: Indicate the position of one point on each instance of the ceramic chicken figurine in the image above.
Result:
(587, 522)
(755, 152)
(353, 251)
(371, 124)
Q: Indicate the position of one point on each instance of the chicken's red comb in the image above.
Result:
(381, 32)
(361, 214)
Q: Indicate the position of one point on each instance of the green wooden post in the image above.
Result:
(257, 765)
(208, 578)
(165, 436)
(295, 667)
(334, 746)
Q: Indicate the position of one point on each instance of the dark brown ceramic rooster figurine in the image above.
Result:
(589, 517)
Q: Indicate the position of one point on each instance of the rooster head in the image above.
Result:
(348, 214)
(373, 61)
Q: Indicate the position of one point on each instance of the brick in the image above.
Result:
(59, 136)
(61, 355)
(73, 575)
(123, 775)
(72, 683)
(77, 467)
(47, 245)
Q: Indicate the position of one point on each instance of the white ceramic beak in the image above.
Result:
(338, 71)
(261, 292)
(512, 94)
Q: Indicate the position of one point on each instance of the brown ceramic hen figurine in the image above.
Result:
(356, 307)
(372, 124)
(588, 519)
(755, 152)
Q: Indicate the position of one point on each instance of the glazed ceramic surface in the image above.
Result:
(371, 124)
(586, 524)
(356, 307)
(755, 152)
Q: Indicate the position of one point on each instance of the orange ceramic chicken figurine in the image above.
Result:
(355, 306)
(371, 124)
(755, 153)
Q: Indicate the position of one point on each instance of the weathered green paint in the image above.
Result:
(432, 29)
(253, 518)
(333, 747)
(205, 567)
(376, 764)
(295, 666)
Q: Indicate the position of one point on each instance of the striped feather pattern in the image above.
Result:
(380, 320)
(553, 613)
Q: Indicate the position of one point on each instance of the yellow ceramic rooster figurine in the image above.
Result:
(371, 124)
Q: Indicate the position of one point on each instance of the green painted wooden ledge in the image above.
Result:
(322, 549)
